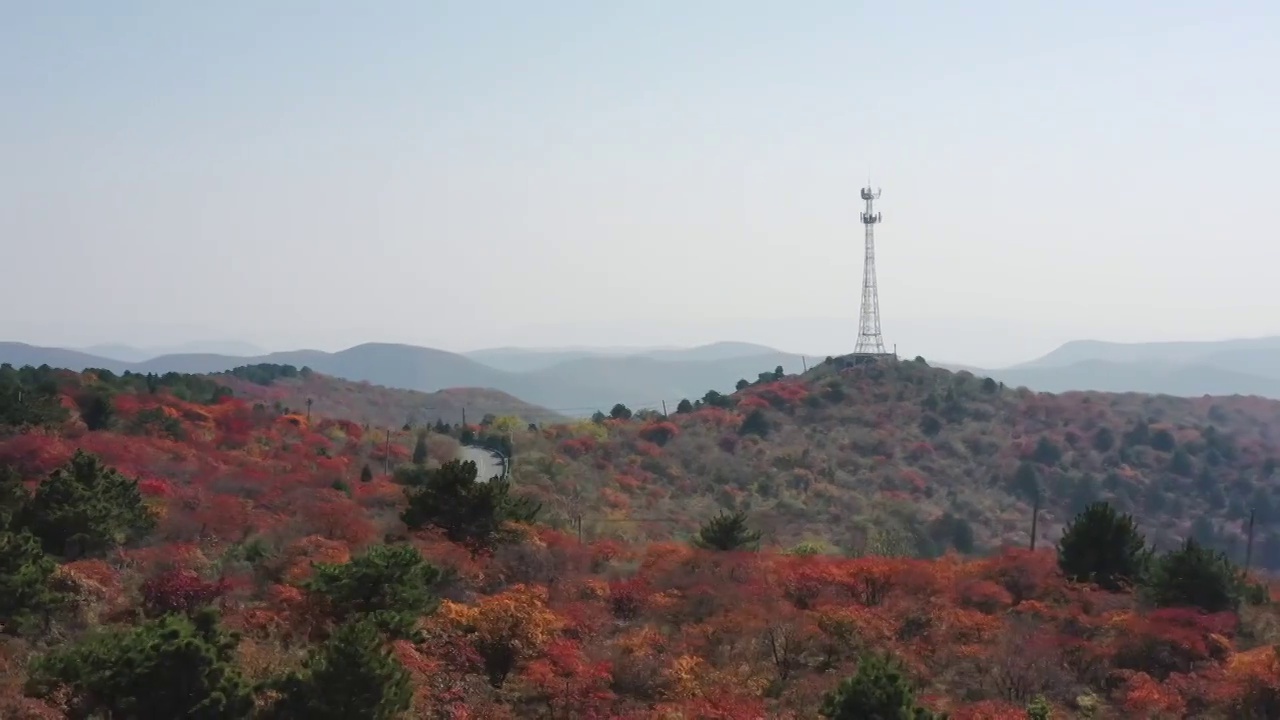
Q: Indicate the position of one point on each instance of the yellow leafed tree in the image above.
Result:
(506, 628)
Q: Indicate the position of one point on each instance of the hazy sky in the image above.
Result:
(468, 174)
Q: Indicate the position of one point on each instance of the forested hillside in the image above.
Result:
(170, 550)
(367, 403)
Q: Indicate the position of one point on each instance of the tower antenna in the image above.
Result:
(870, 341)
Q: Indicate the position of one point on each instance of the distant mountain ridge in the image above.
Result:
(130, 353)
(1212, 352)
(574, 384)
(1249, 366)
(516, 359)
(578, 381)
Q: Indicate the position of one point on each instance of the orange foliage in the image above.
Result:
(300, 556)
(1144, 697)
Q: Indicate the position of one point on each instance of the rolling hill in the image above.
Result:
(1190, 352)
(129, 353)
(515, 359)
(842, 453)
(378, 405)
(1187, 369)
(579, 385)
(1163, 378)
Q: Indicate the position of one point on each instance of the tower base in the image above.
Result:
(868, 358)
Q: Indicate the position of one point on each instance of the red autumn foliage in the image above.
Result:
(578, 447)
(179, 590)
(634, 622)
(659, 433)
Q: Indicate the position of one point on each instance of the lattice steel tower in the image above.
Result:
(870, 341)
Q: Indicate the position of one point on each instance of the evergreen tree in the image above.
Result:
(96, 409)
(755, 423)
(25, 594)
(1180, 463)
(420, 448)
(1104, 547)
(1163, 441)
(684, 406)
(172, 667)
(1195, 576)
(1104, 440)
(86, 507)
(390, 585)
(366, 473)
(468, 511)
(620, 412)
(716, 399)
(14, 498)
(1039, 709)
(930, 425)
(1026, 482)
(1046, 452)
(879, 690)
(350, 677)
(726, 532)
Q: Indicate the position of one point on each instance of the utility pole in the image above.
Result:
(386, 457)
(1035, 518)
(664, 409)
(575, 512)
(804, 363)
(464, 418)
(308, 411)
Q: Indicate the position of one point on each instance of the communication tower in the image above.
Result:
(870, 341)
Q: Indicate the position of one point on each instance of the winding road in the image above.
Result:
(489, 464)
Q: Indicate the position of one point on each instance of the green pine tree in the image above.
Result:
(755, 423)
(26, 598)
(1195, 576)
(86, 507)
(350, 677)
(14, 498)
(880, 690)
(96, 409)
(1039, 709)
(172, 667)
(420, 448)
(1103, 547)
(727, 532)
(468, 511)
(391, 585)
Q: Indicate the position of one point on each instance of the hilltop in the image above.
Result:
(212, 543)
(849, 455)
